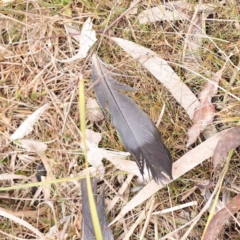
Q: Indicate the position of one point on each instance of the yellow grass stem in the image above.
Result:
(47, 182)
(93, 209)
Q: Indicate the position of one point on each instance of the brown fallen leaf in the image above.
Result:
(204, 114)
(221, 217)
(228, 141)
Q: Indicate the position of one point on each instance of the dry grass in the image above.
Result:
(31, 32)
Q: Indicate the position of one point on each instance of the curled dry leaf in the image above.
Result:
(204, 114)
(221, 217)
(27, 126)
(228, 141)
(94, 112)
(32, 145)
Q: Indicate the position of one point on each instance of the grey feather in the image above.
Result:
(88, 229)
(139, 135)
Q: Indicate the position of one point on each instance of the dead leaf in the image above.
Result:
(195, 34)
(27, 126)
(95, 154)
(93, 137)
(204, 114)
(10, 176)
(180, 167)
(32, 145)
(134, 10)
(220, 203)
(221, 217)
(71, 30)
(86, 40)
(93, 111)
(166, 12)
(193, 43)
(27, 213)
(228, 141)
(171, 11)
(160, 69)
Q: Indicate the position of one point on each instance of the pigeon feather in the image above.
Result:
(139, 135)
(88, 228)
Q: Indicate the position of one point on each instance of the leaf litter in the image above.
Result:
(96, 155)
(186, 163)
(161, 70)
(32, 145)
(204, 114)
(27, 126)
(55, 82)
(86, 39)
(171, 11)
(228, 141)
(221, 217)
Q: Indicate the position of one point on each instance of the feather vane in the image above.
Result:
(139, 135)
(88, 228)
